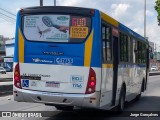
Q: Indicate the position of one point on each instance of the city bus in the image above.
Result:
(77, 57)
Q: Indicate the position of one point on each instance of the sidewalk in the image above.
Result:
(6, 84)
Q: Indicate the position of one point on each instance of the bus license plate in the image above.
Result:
(53, 84)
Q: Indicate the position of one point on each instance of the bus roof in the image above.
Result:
(84, 11)
(122, 27)
(57, 9)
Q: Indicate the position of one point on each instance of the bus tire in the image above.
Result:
(138, 97)
(64, 108)
(121, 102)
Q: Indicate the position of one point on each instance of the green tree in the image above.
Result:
(157, 8)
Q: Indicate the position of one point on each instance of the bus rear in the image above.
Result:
(57, 56)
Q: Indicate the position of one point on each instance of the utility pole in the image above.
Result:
(145, 18)
(41, 2)
(54, 2)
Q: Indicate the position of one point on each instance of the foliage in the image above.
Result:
(157, 8)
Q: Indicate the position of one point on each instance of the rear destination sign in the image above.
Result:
(78, 32)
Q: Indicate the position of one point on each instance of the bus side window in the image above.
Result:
(134, 51)
(129, 49)
(139, 52)
(124, 52)
(108, 38)
(144, 53)
(106, 43)
(141, 47)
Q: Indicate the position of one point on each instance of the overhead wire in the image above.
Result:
(8, 12)
(7, 16)
(7, 19)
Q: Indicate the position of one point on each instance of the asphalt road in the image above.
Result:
(150, 102)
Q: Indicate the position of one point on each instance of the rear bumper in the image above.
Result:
(80, 100)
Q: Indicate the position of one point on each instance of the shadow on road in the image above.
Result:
(83, 114)
(146, 104)
(3, 94)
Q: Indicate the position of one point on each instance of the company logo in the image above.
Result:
(63, 18)
(25, 83)
(6, 114)
(36, 60)
(43, 61)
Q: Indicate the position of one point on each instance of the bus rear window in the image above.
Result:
(56, 28)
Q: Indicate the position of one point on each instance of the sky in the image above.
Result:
(128, 12)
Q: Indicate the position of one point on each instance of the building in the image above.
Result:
(2, 49)
(154, 55)
(151, 44)
(8, 59)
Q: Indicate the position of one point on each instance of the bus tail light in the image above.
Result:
(17, 79)
(91, 85)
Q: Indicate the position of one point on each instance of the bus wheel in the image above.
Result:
(138, 97)
(121, 100)
(65, 108)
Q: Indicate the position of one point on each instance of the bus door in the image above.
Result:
(115, 68)
(107, 67)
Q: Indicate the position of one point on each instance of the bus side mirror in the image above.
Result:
(150, 49)
(151, 55)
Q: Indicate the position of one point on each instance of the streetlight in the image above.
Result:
(41, 2)
(54, 2)
(145, 18)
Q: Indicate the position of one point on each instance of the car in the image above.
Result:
(2, 70)
(8, 69)
(154, 68)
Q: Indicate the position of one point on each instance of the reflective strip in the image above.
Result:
(21, 47)
(107, 65)
(109, 19)
(88, 50)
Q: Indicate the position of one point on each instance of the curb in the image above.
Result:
(6, 79)
(156, 73)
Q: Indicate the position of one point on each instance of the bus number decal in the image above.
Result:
(75, 85)
(64, 61)
(77, 81)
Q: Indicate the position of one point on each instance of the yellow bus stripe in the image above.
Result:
(109, 19)
(20, 46)
(88, 50)
(107, 65)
